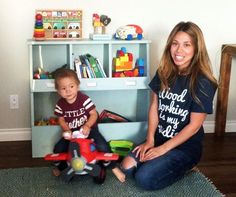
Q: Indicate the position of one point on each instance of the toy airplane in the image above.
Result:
(81, 158)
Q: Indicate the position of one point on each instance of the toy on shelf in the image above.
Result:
(129, 32)
(140, 66)
(123, 65)
(58, 24)
(82, 158)
(40, 73)
(39, 32)
(47, 121)
(99, 27)
(123, 60)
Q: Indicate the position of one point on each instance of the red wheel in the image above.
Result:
(102, 176)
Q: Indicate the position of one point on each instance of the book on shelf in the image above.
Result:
(78, 67)
(94, 66)
(88, 66)
(100, 67)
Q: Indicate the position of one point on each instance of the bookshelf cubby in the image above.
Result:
(128, 96)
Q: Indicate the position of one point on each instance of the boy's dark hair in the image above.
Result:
(65, 72)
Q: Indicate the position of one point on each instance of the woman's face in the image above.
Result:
(182, 50)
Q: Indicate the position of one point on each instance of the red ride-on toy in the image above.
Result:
(83, 158)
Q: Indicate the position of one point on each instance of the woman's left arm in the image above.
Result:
(196, 121)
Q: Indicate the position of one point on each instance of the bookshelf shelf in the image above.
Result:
(128, 96)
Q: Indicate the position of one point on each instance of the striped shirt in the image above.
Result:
(77, 113)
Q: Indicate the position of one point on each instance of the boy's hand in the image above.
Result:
(67, 135)
(85, 129)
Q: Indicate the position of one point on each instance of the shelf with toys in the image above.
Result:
(123, 89)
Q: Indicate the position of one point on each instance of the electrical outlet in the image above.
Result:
(14, 101)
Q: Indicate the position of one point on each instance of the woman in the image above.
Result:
(182, 94)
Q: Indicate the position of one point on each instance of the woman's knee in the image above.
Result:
(128, 162)
(128, 166)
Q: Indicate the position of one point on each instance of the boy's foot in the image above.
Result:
(119, 174)
(56, 172)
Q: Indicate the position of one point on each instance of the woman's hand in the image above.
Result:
(142, 149)
(154, 152)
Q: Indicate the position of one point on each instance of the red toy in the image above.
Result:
(81, 159)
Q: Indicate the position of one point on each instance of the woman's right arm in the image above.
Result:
(152, 125)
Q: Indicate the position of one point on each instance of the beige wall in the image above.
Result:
(157, 17)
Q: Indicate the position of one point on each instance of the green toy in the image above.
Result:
(121, 147)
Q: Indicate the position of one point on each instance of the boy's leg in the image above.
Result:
(100, 142)
(101, 145)
(60, 147)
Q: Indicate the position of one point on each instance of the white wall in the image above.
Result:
(157, 17)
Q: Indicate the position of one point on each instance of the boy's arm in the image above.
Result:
(63, 124)
(92, 119)
(90, 122)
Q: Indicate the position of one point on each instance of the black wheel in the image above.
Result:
(102, 176)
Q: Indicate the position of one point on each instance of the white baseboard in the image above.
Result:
(24, 134)
(209, 126)
(19, 134)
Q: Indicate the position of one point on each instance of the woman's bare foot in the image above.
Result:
(119, 174)
(56, 172)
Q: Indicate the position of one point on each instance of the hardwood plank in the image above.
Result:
(218, 161)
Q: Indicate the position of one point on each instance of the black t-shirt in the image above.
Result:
(175, 107)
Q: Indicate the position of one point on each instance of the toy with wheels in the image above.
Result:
(83, 158)
(129, 32)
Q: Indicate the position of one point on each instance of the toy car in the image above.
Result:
(74, 34)
(129, 32)
(81, 158)
(74, 26)
(59, 34)
(47, 26)
(59, 26)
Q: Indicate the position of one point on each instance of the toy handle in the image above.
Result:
(78, 134)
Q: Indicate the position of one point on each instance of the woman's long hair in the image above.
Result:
(200, 63)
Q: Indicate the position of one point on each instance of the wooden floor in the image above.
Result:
(218, 162)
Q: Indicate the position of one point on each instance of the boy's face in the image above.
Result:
(68, 89)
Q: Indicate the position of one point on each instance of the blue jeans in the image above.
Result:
(161, 171)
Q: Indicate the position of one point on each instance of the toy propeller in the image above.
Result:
(78, 164)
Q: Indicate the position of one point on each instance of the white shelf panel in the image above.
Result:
(47, 85)
(86, 41)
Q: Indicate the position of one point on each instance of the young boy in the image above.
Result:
(76, 112)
